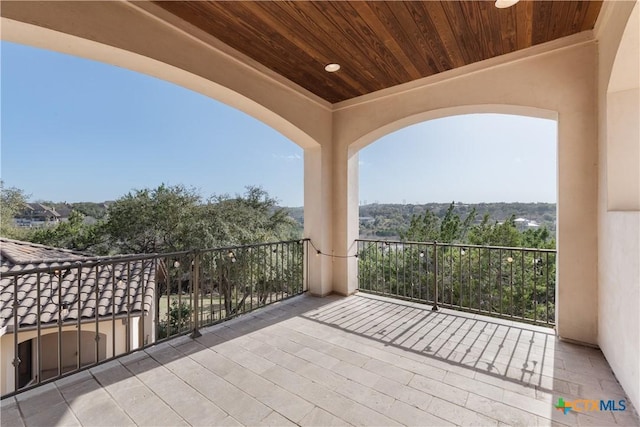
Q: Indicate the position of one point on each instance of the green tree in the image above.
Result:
(495, 234)
(72, 234)
(428, 227)
(538, 238)
(504, 281)
(12, 201)
(250, 218)
(96, 210)
(153, 220)
(422, 228)
(179, 320)
(175, 218)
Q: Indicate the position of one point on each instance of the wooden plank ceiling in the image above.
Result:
(379, 44)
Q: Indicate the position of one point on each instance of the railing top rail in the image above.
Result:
(252, 245)
(91, 262)
(68, 264)
(457, 245)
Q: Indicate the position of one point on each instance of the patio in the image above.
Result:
(359, 360)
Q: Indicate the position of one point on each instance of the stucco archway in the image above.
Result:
(125, 35)
(460, 110)
(376, 135)
(558, 84)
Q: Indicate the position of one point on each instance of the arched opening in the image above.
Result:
(474, 183)
(473, 158)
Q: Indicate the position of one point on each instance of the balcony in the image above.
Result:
(364, 359)
(583, 81)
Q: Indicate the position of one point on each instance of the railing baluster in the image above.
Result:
(435, 276)
(128, 306)
(510, 260)
(479, 281)
(489, 282)
(451, 290)
(547, 287)
(196, 292)
(535, 286)
(470, 279)
(500, 283)
(78, 315)
(113, 311)
(59, 324)
(522, 286)
(39, 329)
(16, 350)
(97, 316)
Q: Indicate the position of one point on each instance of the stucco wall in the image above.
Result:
(619, 231)
(50, 354)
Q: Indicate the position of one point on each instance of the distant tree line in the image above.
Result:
(389, 220)
(162, 219)
(452, 228)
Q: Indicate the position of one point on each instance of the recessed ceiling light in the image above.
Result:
(332, 68)
(503, 4)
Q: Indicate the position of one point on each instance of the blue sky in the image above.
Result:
(78, 130)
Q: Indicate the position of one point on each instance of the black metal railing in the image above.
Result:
(512, 283)
(67, 315)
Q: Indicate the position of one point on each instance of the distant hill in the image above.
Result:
(386, 220)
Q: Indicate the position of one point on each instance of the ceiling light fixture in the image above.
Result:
(503, 4)
(332, 68)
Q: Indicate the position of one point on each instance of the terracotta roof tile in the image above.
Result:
(15, 252)
(69, 288)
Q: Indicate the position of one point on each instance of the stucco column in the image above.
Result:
(345, 220)
(317, 217)
(576, 291)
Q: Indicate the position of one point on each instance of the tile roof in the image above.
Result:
(71, 280)
(15, 252)
(38, 209)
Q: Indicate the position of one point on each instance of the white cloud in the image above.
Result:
(287, 157)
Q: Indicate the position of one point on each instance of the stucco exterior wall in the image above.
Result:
(618, 209)
(559, 84)
(106, 327)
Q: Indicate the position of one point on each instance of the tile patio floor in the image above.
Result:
(360, 360)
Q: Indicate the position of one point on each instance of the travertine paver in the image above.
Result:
(360, 360)
(10, 414)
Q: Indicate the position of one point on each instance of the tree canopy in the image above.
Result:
(12, 200)
(162, 219)
(72, 234)
(175, 218)
(427, 227)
